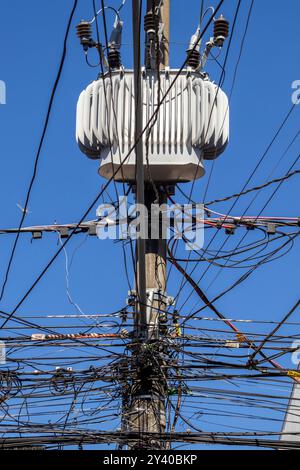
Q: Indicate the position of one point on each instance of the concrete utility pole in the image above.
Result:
(165, 19)
(141, 324)
(146, 412)
(172, 149)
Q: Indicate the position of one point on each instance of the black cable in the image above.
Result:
(49, 264)
(256, 188)
(113, 108)
(262, 157)
(285, 318)
(37, 157)
(260, 212)
(238, 5)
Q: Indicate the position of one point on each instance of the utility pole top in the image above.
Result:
(164, 14)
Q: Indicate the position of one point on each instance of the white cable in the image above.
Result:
(121, 6)
(72, 302)
(106, 8)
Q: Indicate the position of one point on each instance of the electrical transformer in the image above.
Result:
(191, 124)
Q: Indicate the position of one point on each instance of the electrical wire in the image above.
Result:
(40, 146)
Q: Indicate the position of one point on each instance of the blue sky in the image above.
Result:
(31, 37)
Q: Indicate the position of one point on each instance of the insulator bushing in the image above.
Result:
(84, 30)
(151, 22)
(221, 30)
(193, 59)
(114, 59)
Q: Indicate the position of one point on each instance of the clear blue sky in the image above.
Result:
(31, 36)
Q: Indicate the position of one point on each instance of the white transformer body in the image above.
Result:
(192, 125)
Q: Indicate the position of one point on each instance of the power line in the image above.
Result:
(37, 157)
(105, 186)
(255, 188)
(269, 336)
(183, 282)
(283, 123)
(81, 399)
